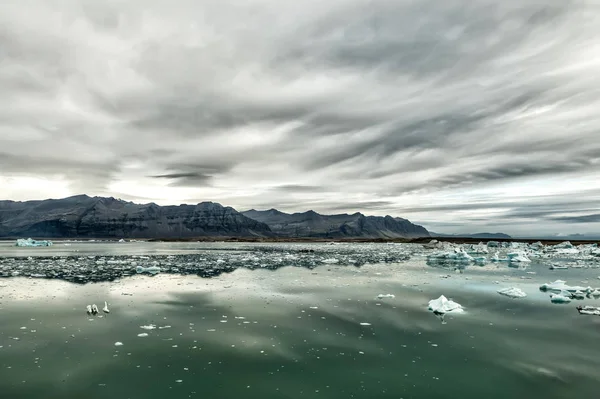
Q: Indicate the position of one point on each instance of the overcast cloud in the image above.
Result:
(462, 115)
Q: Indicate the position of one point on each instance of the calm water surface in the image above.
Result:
(295, 333)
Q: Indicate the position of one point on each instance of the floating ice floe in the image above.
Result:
(588, 310)
(32, 243)
(105, 308)
(89, 309)
(577, 295)
(149, 327)
(561, 285)
(118, 343)
(512, 292)
(558, 267)
(457, 256)
(152, 270)
(94, 309)
(563, 297)
(443, 305)
(382, 296)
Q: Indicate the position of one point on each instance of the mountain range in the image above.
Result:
(313, 224)
(102, 217)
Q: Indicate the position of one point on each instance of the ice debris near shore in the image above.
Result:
(32, 243)
(512, 292)
(205, 263)
(443, 305)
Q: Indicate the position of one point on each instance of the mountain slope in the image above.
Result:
(312, 224)
(83, 216)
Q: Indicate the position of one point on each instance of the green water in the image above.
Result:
(294, 333)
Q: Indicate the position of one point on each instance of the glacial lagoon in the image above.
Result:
(230, 320)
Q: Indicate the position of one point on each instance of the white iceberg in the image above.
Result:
(563, 245)
(32, 243)
(517, 257)
(382, 296)
(512, 292)
(443, 305)
(561, 285)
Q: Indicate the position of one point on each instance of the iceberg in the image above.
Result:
(578, 295)
(561, 285)
(479, 249)
(560, 298)
(443, 305)
(382, 296)
(32, 243)
(517, 257)
(456, 257)
(512, 292)
(563, 245)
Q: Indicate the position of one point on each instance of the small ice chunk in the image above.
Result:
(149, 327)
(365, 324)
(94, 309)
(142, 335)
(118, 343)
(443, 305)
(89, 309)
(558, 267)
(330, 260)
(512, 292)
(560, 298)
(105, 308)
(382, 296)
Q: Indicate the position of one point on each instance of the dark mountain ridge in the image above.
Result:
(313, 224)
(100, 217)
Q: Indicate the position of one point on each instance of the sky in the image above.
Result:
(460, 115)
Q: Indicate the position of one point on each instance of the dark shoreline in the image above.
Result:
(418, 240)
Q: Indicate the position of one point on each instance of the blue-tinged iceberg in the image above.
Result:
(32, 243)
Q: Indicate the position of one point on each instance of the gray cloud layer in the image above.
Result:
(463, 114)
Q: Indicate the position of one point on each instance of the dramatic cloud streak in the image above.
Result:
(462, 115)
